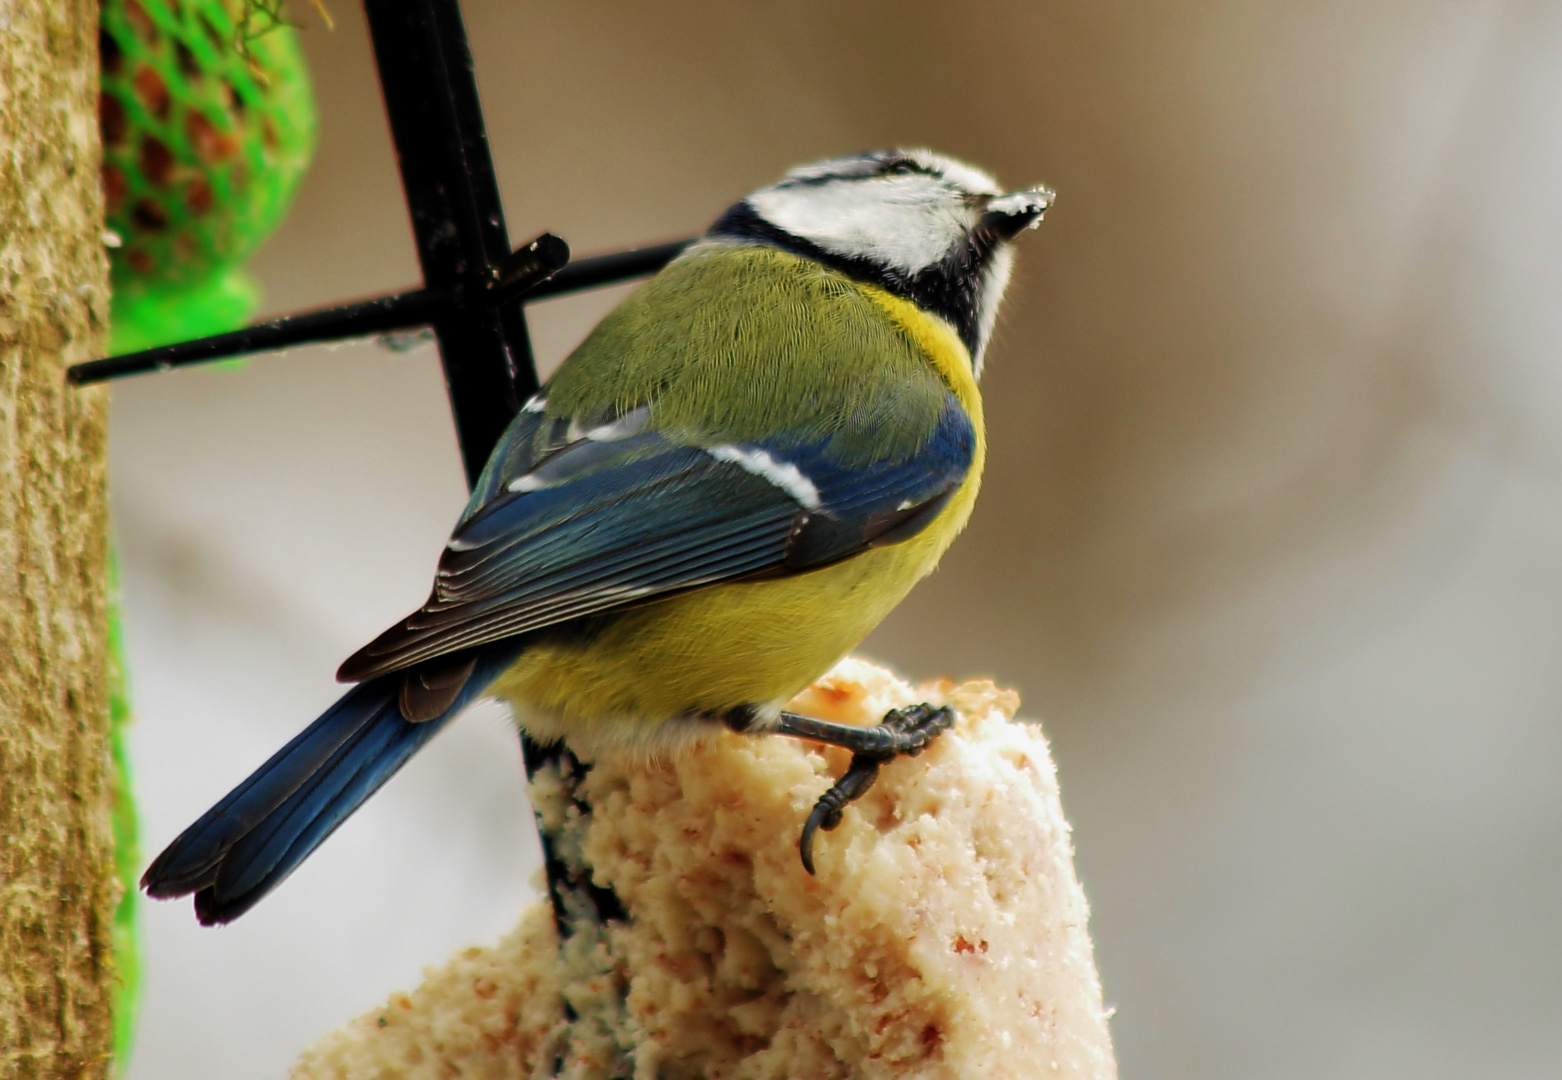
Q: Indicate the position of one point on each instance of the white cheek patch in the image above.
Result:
(904, 222)
(783, 474)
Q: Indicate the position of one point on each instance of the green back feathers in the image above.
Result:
(736, 343)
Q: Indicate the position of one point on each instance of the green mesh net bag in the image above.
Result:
(208, 126)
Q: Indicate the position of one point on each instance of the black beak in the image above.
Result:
(1006, 216)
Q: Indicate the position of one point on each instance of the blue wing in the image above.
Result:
(567, 527)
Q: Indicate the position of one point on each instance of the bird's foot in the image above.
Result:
(903, 731)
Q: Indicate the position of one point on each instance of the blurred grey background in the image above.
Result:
(1271, 539)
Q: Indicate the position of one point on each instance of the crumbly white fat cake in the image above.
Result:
(945, 935)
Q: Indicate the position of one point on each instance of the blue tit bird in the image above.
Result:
(741, 470)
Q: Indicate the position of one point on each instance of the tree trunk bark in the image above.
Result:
(57, 887)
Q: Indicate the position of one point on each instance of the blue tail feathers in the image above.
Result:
(259, 833)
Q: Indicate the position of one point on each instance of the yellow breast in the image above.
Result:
(746, 643)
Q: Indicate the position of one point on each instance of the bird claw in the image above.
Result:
(920, 724)
(910, 730)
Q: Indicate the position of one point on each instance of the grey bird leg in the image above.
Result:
(903, 731)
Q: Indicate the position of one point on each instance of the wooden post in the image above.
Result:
(57, 890)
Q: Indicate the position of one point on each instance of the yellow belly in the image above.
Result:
(741, 644)
(701, 653)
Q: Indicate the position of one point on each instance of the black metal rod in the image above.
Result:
(381, 315)
(447, 174)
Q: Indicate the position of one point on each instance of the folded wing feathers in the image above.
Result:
(621, 514)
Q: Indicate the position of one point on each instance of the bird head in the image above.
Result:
(924, 226)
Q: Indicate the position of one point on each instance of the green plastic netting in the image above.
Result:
(208, 125)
